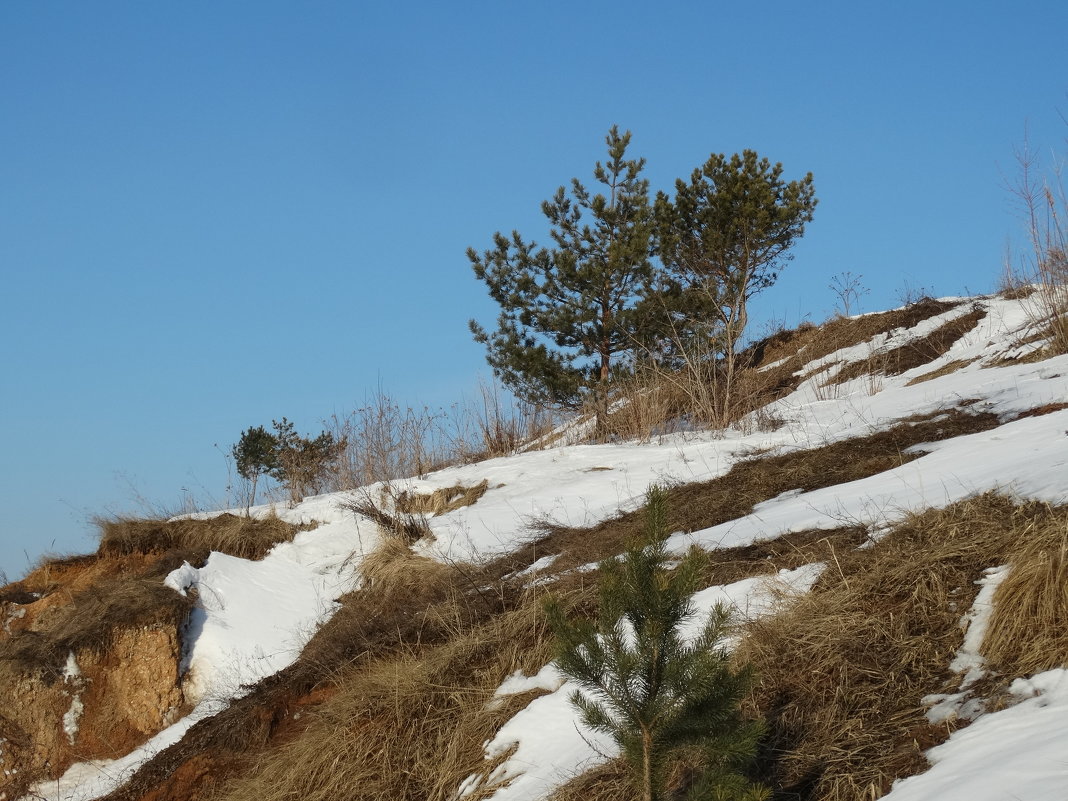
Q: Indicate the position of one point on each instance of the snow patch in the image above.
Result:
(968, 661)
(72, 675)
(1019, 752)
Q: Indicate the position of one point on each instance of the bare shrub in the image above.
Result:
(387, 441)
(494, 424)
(1042, 202)
(849, 289)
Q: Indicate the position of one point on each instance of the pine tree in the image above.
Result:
(569, 311)
(255, 454)
(646, 687)
(725, 237)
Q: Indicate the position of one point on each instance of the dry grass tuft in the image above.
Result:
(611, 781)
(392, 564)
(1028, 630)
(245, 537)
(440, 501)
(405, 527)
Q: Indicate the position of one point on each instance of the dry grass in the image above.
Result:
(441, 500)
(789, 351)
(1043, 204)
(387, 441)
(1028, 630)
(403, 671)
(405, 527)
(409, 727)
(945, 369)
(1038, 411)
(245, 537)
(409, 609)
(842, 669)
(657, 401)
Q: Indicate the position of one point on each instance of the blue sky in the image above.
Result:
(216, 214)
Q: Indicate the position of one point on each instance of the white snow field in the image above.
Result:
(253, 618)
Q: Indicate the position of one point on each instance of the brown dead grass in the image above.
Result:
(1028, 630)
(405, 668)
(1038, 411)
(405, 527)
(915, 353)
(244, 537)
(409, 727)
(410, 606)
(663, 401)
(440, 501)
(704, 504)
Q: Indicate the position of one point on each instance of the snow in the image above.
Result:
(968, 661)
(72, 676)
(253, 618)
(1016, 753)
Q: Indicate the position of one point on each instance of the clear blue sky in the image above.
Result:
(216, 214)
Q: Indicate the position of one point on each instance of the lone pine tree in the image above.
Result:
(569, 311)
(646, 686)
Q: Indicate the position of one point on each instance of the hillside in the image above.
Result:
(890, 525)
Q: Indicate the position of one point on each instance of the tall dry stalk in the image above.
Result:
(1043, 204)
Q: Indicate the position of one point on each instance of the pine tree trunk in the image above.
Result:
(647, 766)
(252, 499)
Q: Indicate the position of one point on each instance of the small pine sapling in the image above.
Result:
(652, 690)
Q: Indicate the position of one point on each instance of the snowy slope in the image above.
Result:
(254, 617)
